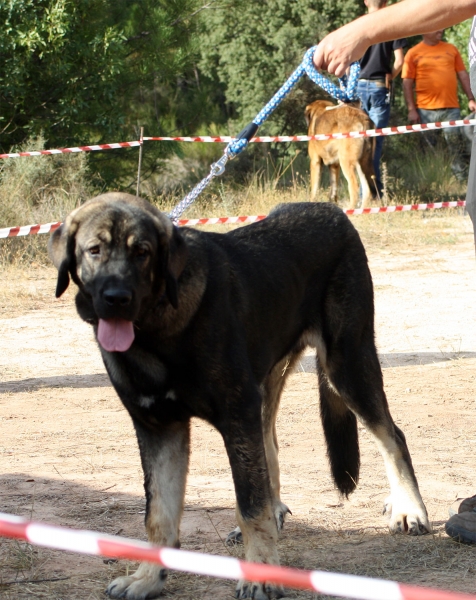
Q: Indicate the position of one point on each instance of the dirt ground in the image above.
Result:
(68, 454)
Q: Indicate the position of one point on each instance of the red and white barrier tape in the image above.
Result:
(28, 230)
(336, 584)
(326, 136)
(277, 138)
(92, 148)
(49, 227)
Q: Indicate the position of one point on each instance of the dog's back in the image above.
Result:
(283, 260)
(351, 155)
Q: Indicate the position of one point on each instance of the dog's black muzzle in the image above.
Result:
(115, 300)
(117, 297)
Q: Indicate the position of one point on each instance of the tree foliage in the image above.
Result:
(72, 70)
(250, 48)
(94, 71)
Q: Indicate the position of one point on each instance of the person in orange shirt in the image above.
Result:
(431, 71)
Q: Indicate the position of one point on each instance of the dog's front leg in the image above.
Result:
(164, 455)
(254, 508)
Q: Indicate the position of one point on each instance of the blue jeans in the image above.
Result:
(374, 98)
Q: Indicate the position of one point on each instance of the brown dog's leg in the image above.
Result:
(316, 168)
(164, 457)
(334, 171)
(348, 168)
(364, 186)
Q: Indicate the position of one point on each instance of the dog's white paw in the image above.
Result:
(146, 583)
(280, 513)
(258, 591)
(405, 516)
(234, 537)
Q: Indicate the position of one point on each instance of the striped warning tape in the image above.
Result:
(92, 148)
(336, 584)
(277, 138)
(421, 127)
(49, 227)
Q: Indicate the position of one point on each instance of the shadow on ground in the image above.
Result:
(324, 540)
(307, 363)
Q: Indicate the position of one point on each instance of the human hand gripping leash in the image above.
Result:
(345, 93)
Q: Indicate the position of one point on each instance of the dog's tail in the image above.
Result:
(342, 438)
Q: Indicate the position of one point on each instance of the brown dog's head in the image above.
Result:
(122, 253)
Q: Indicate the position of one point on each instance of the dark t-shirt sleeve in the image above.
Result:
(376, 63)
(400, 44)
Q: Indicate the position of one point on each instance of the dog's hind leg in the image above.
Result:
(349, 170)
(164, 457)
(354, 388)
(334, 170)
(351, 386)
(316, 169)
(364, 186)
(272, 389)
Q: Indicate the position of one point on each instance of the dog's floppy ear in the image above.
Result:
(57, 257)
(173, 252)
(308, 114)
(61, 250)
(176, 258)
(62, 244)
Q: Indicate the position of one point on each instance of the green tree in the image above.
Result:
(76, 71)
(250, 48)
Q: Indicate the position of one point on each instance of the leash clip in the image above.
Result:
(218, 168)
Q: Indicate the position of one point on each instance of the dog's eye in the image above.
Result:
(94, 250)
(142, 252)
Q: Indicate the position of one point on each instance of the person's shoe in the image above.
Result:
(462, 526)
(467, 505)
(462, 505)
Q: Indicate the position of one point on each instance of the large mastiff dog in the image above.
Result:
(195, 324)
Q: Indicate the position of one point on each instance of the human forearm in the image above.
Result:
(398, 62)
(408, 94)
(412, 17)
(409, 17)
(465, 84)
(413, 115)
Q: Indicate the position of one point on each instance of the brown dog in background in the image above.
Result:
(353, 156)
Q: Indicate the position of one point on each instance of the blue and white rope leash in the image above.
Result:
(346, 93)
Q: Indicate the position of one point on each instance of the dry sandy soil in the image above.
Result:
(68, 453)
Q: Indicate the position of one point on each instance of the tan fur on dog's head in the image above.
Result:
(91, 220)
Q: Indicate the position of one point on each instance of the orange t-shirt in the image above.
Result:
(434, 70)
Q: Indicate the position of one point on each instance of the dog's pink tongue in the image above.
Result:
(115, 335)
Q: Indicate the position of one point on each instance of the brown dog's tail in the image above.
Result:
(342, 438)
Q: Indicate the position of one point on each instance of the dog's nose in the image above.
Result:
(117, 297)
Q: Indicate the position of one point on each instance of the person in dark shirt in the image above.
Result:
(376, 75)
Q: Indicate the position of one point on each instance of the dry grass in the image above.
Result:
(27, 283)
(25, 286)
